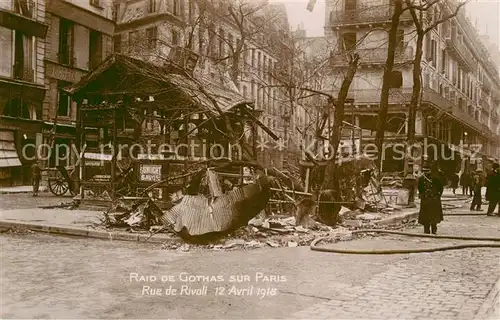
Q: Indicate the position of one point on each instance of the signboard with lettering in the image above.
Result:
(60, 72)
(150, 172)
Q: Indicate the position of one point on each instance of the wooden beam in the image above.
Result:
(291, 191)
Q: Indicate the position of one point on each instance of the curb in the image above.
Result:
(490, 309)
(79, 232)
(397, 219)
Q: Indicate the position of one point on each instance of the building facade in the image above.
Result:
(460, 99)
(79, 38)
(151, 30)
(23, 30)
(45, 46)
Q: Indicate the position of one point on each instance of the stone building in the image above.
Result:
(151, 30)
(23, 29)
(45, 46)
(461, 88)
(79, 38)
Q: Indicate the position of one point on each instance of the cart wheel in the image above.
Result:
(58, 185)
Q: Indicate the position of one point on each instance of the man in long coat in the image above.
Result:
(477, 185)
(465, 181)
(493, 190)
(430, 188)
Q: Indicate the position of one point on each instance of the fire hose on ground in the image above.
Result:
(314, 245)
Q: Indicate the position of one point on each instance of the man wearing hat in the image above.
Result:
(493, 190)
(430, 188)
(477, 184)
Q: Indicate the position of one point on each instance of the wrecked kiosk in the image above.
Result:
(155, 136)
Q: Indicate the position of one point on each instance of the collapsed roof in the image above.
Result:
(120, 74)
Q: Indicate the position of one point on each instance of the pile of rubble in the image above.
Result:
(271, 232)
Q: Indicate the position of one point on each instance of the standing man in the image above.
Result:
(493, 190)
(430, 188)
(36, 176)
(454, 179)
(477, 185)
(465, 183)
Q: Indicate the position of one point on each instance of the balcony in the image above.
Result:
(460, 52)
(373, 56)
(431, 96)
(485, 105)
(22, 16)
(486, 85)
(367, 15)
(467, 119)
(400, 96)
(372, 96)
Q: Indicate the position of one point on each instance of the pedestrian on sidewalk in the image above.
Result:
(493, 190)
(454, 182)
(477, 185)
(36, 176)
(465, 181)
(430, 188)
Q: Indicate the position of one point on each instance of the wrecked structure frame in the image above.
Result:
(127, 105)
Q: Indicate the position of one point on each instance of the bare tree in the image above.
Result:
(422, 28)
(247, 23)
(386, 80)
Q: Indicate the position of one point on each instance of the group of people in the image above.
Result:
(431, 186)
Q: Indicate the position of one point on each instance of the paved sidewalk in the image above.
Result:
(55, 217)
(21, 189)
(80, 223)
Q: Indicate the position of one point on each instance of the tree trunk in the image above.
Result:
(329, 214)
(384, 95)
(415, 95)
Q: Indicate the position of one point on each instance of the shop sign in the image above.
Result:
(59, 72)
(150, 173)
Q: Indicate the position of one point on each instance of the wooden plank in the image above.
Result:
(291, 191)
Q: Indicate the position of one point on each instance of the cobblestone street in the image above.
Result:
(58, 277)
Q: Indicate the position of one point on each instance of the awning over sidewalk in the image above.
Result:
(8, 153)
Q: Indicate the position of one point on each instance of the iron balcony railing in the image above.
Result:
(365, 15)
(372, 56)
(466, 118)
(460, 51)
(400, 96)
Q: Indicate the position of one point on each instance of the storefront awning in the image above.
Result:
(8, 153)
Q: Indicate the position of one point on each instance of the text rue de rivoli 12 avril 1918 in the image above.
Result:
(258, 284)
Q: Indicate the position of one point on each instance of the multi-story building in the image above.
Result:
(460, 98)
(23, 29)
(79, 38)
(45, 46)
(493, 49)
(150, 29)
